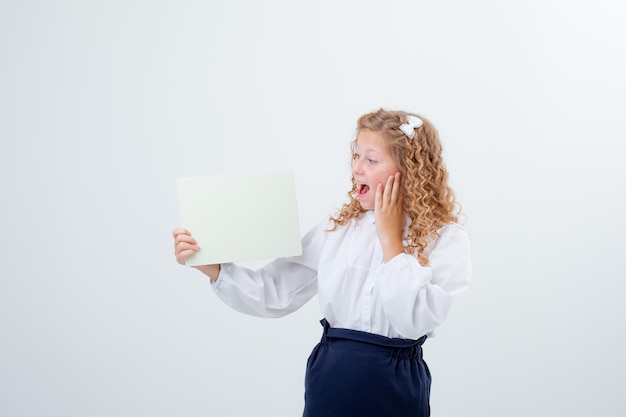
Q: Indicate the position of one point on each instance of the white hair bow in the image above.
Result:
(412, 123)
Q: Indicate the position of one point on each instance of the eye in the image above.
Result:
(355, 156)
(371, 161)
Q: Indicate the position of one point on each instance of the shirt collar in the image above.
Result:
(369, 216)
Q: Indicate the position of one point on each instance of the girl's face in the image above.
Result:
(372, 165)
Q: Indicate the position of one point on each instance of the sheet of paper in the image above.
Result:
(240, 217)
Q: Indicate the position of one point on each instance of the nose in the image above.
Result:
(356, 166)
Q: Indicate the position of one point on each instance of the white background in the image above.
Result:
(104, 103)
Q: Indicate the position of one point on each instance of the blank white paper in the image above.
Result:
(240, 217)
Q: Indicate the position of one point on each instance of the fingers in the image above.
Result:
(183, 237)
(182, 256)
(180, 231)
(378, 200)
(184, 245)
(395, 189)
(390, 193)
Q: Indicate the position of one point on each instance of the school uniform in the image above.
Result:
(376, 315)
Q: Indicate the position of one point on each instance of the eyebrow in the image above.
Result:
(357, 149)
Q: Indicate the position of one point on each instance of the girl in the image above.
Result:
(387, 269)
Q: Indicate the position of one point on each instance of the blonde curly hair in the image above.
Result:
(428, 201)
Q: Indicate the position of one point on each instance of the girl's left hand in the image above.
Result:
(389, 216)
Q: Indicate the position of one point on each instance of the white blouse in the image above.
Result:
(356, 290)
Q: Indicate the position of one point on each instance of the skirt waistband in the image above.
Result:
(371, 338)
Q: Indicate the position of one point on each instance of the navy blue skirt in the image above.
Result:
(358, 374)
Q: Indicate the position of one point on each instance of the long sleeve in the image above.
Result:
(279, 288)
(416, 299)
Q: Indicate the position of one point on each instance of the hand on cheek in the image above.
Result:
(390, 216)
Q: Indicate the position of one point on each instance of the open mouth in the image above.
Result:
(363, 189)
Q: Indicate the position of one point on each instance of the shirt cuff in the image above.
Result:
(223, 274)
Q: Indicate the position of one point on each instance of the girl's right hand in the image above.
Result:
(185, 246)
